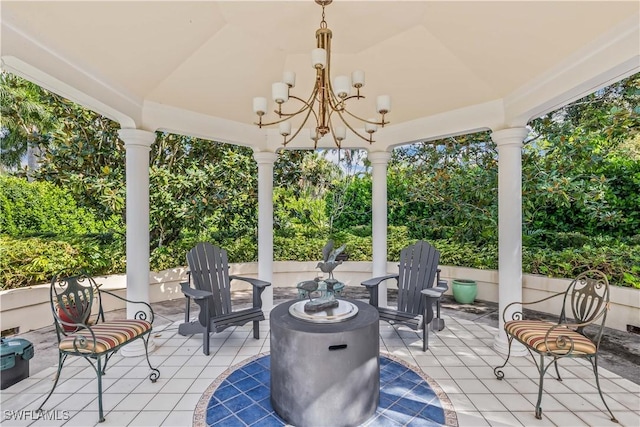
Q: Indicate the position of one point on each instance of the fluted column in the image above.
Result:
(379, 161)
(509, 142)
(265, 160)
(137, 144)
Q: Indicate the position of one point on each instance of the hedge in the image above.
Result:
(32, 260)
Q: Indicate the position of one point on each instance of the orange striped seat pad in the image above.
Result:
(532, 333)
(108, 336)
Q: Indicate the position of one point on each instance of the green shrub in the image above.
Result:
(358, 247)
(467, 254)
(307, 249)
(620, 262)
(33, 260)
(35, 208)
(241, 249)
(30, 261)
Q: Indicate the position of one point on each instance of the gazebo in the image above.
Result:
(451, 67)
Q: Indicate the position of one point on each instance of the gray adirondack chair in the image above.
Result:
(209, 286)
(419, 287)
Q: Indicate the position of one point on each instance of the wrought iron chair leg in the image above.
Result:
(155, 373)
(256, 329)
(497, 371)
(542, 369)
(61, 358)
(99, 372)
(106, 361)
(555, 362)
(594, 364)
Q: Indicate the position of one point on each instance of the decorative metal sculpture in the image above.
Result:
(327, 299)
(329, 255)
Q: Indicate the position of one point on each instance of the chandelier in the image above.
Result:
(327, 102)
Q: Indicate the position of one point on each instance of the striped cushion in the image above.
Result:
(108, 336)
(532, 333)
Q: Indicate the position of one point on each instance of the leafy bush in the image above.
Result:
(467, 254)
(620, 262)
(30, 261)
(33, 260)
(31, 208)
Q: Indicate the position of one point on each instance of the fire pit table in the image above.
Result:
(325, 366)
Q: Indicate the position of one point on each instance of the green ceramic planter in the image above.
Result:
(464, 290)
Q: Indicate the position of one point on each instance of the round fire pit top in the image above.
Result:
(344, 311)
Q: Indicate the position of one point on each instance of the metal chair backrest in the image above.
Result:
(72, 300)
(209, 271)
(587, 298)
(417, 271)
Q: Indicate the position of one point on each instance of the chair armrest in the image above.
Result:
(442, 285)
(254, 282)
(141, 314)
(258, 287)
(432, 292)
(377, 280)
(518, 314)
(196, 294)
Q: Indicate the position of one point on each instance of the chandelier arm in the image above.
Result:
(346, 123)
(306, 118)
(358, 96)
(382, 123)
(306, 105)
(333, 134)
(333, 101)
(273, 123)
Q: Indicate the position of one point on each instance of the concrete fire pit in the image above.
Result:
(325, 371)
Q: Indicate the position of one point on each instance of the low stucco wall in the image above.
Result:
(29, 309)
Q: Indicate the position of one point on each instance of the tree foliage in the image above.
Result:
(41, 208)
(24, 120)
(581, 193)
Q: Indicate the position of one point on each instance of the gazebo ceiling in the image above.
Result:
(132, 59)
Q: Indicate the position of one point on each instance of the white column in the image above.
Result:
(509, 142)
(379, 161)
(137, 144)
(265, 160)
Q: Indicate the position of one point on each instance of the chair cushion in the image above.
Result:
(532, 333)
(109, 335)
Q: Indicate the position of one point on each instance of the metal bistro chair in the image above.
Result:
(78, 316)
(209, 274)
(587, 301)
(417, 273)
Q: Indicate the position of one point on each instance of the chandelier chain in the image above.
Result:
(323, 23)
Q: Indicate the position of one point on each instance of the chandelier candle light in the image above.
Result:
(325, 100)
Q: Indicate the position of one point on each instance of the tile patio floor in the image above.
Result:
(460, 358)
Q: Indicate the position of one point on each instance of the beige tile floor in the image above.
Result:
(460, 358)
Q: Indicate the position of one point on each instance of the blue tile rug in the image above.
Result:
(241, 397)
